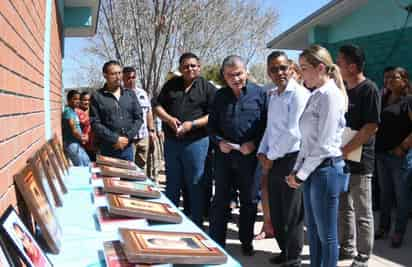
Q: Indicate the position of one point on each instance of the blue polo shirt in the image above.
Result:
(238, 120)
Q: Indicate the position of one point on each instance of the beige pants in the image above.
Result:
(141, 148)
(155, 164)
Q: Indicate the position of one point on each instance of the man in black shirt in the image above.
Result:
(183, 106)
(115, 115)
(237, 122)
(355, 211)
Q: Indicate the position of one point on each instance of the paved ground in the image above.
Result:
(383, 254)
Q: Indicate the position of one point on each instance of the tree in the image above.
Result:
(152, 34)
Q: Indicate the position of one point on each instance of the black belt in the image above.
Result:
(328, 162)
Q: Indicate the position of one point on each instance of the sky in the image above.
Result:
(290, 13)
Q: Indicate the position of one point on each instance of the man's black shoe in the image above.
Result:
(346, 256)
(247, 250)
(279, 259)
(292, 263)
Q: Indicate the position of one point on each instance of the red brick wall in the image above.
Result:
(22, 130)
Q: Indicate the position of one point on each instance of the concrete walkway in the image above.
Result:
(383, 254)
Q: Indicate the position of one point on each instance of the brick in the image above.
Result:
(19, 124)
(8, 171)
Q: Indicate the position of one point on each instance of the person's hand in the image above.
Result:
(161, 136)
(247, 148)
(225, 147)
(152, 138)
(122, 142)
(85, 138)
(173, 123)
(345, 153)
(398, 151)
(184, 128)
(291, 181)
(265, 162)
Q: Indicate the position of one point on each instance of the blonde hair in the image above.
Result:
(316, 55)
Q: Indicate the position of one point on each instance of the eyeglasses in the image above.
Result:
(276, 69)
(193, 66)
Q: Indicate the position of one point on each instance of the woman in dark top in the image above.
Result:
(394, 162)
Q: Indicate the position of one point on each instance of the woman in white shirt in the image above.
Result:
(320, 166)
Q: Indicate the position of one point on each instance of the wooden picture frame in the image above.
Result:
(55, 164)
(115, 257)
(109, 221)
(170, 247)
(59, 158)
(117, 186)
(57, 147)
(121, 173)
(139, 208)
(24, 244)
(37, 203)
(52, 177)
(41, 176)
(7, 258)
(114, 162)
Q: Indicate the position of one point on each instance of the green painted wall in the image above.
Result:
(378, 49)
(77, 17)
(375, 17)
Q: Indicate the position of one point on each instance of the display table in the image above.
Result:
(82, 242)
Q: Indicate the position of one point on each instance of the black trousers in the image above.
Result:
(286, 207)
(234, 170)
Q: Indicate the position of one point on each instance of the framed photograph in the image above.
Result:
(114, 162)
(115, 257)
(41, 177)
(59, 158)
(56, 167)
(135, 207)
(170, 247)
(22, 241)
(111, 222)
(58, 149)
(6, 256)
(43, 212)
(122, 173)
(114, 185)
(51, 177)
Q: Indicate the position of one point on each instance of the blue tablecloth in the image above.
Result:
(82, 242)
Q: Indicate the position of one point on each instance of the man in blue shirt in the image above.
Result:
(236, 124)
(72, 133)
(278, 152)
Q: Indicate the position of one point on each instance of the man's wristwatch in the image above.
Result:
(299, 181)
(193, 124)
(152, 130)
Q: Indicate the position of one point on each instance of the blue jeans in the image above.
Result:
(393, 174)
(185, 162)
(126, 153)
(321, 202)
(77, 154)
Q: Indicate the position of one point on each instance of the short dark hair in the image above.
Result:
(276, 54)
(83, 94)
(71, 94)
(128, 69)
(108, 64)
(388, 69)
(353, 55)
(187, 55)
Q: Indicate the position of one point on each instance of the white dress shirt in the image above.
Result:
(144, 102)
(322, 124)
(282, 134)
